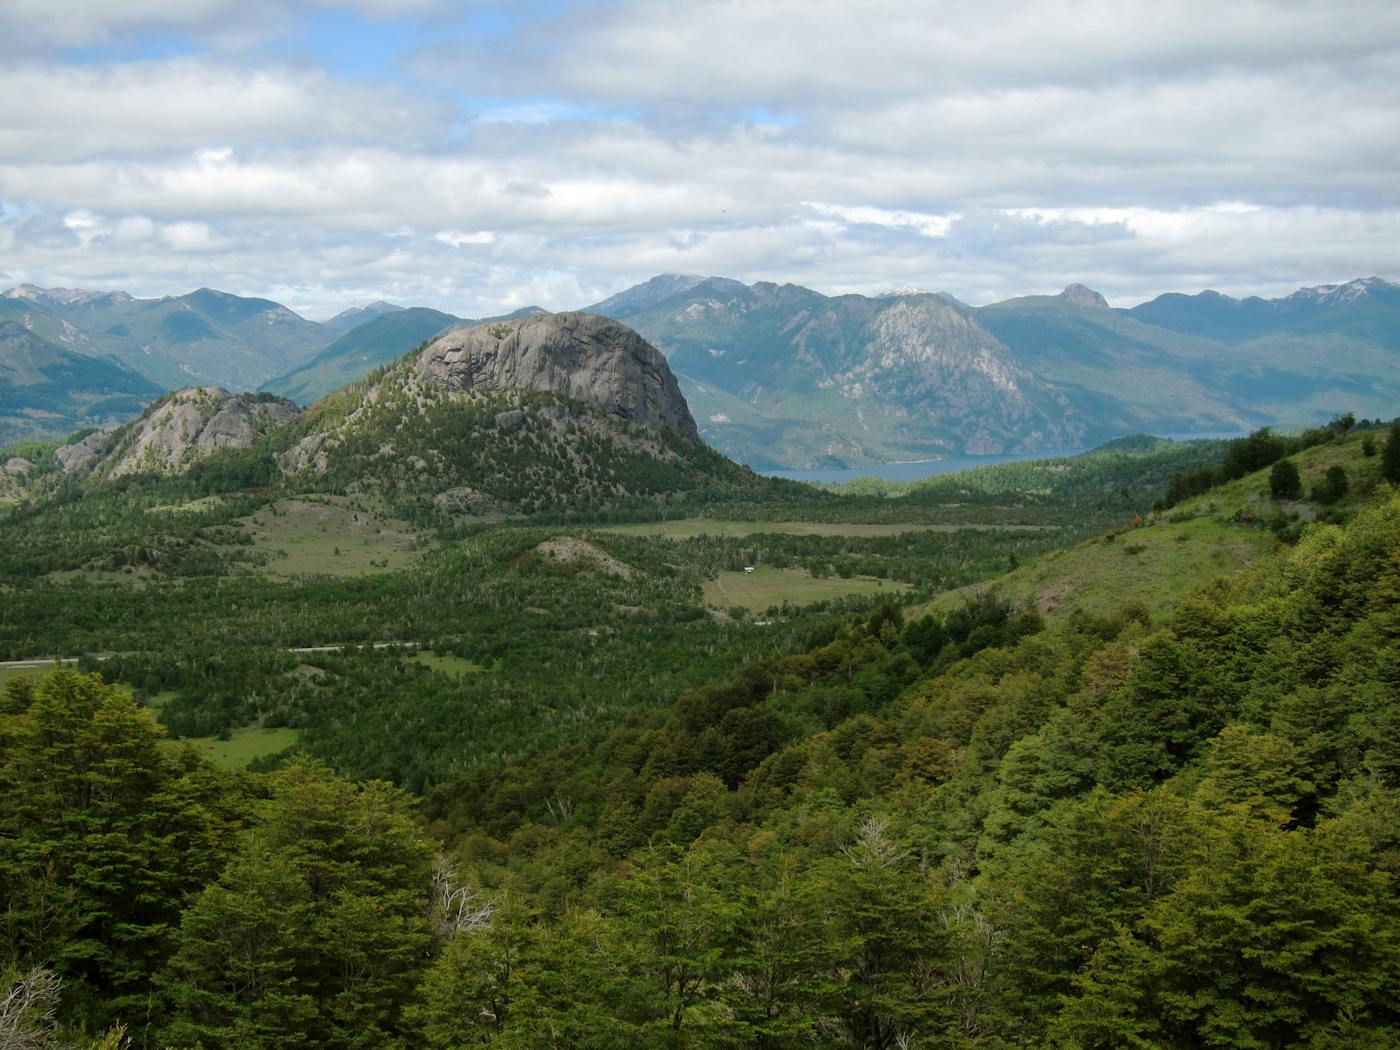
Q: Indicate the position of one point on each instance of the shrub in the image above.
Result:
(1284, 481)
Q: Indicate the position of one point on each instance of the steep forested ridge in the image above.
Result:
(979, 827)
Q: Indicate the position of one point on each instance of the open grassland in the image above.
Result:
(1156, 564)
(328, 536)
(242, 746)
(9, 674)
(689, 528)
(766, 587)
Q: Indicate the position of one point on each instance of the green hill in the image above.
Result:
(1159, 558)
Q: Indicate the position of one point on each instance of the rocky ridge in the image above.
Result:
(178, 430)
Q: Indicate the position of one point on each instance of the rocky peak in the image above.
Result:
(1337, 294)
(1079, 295)
(62, 297)
(579, 356)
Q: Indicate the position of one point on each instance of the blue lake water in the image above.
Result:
(928, 468)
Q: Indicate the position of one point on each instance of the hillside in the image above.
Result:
(48, 391)
(177, 432)
(1159, 558)
(548, 412)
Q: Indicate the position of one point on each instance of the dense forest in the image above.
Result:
(632, 819)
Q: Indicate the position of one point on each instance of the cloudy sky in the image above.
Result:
(477, 157)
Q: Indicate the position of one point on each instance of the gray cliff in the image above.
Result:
(579, 356)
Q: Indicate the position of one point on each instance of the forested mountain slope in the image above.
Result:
(983, 830)
(203, 336)
(49, 391)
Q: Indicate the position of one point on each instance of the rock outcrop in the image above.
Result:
(1079, 295)
(84, 453)
(178, 430)
(513, 416)
(579, 356)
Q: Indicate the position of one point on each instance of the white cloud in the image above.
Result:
(926, 224)
(156, 108)
(76, 22)
(188, 237)
(458, 238)
(988, 150)
(83, 22)
(85, 226)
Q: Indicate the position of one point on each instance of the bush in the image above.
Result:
(1284, 481)
(1332, 487)
(1390, 457)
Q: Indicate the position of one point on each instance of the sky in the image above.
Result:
(478, 157)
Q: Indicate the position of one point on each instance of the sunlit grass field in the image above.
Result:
(766, 587)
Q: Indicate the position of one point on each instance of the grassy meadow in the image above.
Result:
(767, 587)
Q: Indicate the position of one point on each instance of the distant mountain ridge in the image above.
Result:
(203, 336)
(355, 316)
(49, 391)
(784, 376)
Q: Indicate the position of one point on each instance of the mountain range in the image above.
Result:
(783, 376)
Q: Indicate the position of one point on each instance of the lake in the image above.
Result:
(949, 464)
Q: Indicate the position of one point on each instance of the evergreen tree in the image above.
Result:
(315, 934)
(101, 839)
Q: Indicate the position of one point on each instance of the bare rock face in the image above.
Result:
(17, 465)
(579, 356)
(1078, 295)
(179, 430)
(467, 500)
(83, 453)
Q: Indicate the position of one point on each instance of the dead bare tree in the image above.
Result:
(457, 908)
(27, 1019)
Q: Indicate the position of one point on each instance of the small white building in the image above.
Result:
(748, 568)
